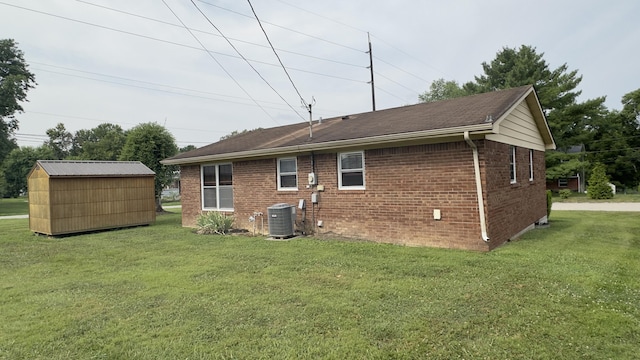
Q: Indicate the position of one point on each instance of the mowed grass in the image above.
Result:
(17, 206)
(20, 206)
(580, 198)
(571, 291)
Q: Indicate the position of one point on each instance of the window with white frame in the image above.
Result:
(530, 164)
(512, 163)
(217, 187)
(351, 170)
(287, 174)
(563, 182)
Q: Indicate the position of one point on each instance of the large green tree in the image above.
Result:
(557, 89)
(104, 142)
(631, 107)
(235, 133)
(17, 165)
(615, 142)
(187, 148)
(15, 81)
(149, 143)
(442, 89)
(60, 141)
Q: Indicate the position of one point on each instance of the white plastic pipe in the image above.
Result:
(476, 168)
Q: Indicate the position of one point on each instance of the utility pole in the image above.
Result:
(309, 107)
(373, 89)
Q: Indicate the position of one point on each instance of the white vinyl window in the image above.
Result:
(351, 171)
(287, 174)
(512, 163)
(530, 165)
(217, 187)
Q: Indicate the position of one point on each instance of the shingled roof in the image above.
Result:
(71, 168)
(472, 113)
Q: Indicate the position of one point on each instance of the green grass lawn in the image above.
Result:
(578, 198)
(18, 206)
(170, 203)
(570, 291)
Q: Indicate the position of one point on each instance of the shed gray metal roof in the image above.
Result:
(72, 168)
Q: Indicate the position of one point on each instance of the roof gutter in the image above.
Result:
(476, 168)
(362, 142)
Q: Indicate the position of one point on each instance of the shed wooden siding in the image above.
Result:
(39, 209)
(519, 128)
(64, 205)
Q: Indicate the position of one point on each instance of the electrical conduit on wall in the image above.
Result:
(476, 168)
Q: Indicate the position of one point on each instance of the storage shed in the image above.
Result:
(77, 196)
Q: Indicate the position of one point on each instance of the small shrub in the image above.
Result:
(599, 183)
(549, 202)
(214, 222)
(564, 193)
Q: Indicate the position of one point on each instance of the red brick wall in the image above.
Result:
(512, 207)
(403, 187)
(190, 196)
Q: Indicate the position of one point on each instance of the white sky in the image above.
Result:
(150, 71)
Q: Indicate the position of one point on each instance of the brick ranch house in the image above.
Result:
(465, 173)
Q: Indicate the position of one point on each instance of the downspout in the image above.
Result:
(476, 168)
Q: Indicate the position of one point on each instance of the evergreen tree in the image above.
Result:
(615, 142)
(569, 121)
(599, 183)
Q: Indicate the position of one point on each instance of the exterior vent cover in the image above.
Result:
(282, 219)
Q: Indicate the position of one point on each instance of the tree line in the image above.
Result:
(148, 143)
(586, 133)
(610, 137)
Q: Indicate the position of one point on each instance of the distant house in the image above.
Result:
(463, 173)
(77, 196)
(574, 182)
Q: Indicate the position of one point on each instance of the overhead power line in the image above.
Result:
(389, 93)
(158, 84)
(409, 55)
(397, 83)
(142, 82)
(245, 59)
(398, 68)
(170, 42)
(277, 56)
(102, 121)
(154, 89)
(199, 48)
(284, 28)
(218, 35)
(324, 17)
(220, 64)
(367, 32)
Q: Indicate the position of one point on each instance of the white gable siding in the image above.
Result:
(518, 128)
